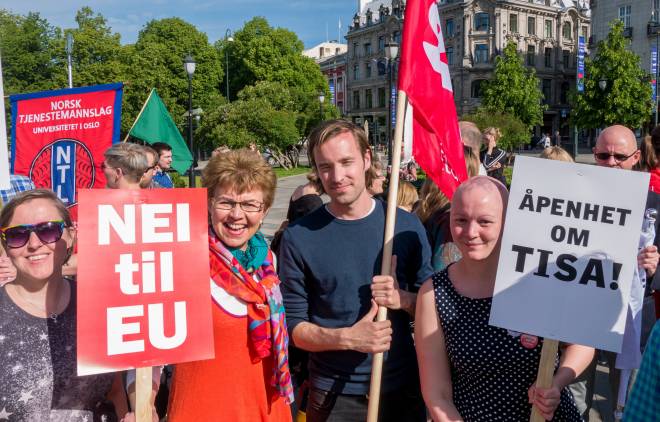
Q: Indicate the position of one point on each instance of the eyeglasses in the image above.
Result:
(228, 205)
(47, 232)
(604, 156)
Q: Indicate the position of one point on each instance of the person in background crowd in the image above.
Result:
(164, 164)
(249, 379)
(650, 161)
(376, 187)
(616, 147)
(492, 157)
(470, 370)
(556, 153)
(557, 139)
(328, 261)
(38, 320)
(406, 196)
(124, 166)
(433, 212)
(19, 183)
(147, 182)
(644, 402)
(471, 137)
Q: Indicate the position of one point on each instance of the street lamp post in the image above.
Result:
(189, 65)
(321, 100)
(228, 39)
(69, 51)
(391, 53)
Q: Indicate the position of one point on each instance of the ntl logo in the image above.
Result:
(64, 166)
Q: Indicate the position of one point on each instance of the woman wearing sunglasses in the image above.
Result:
(38, 319)
(249, 378)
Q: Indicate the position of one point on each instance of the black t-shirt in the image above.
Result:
(38, 380)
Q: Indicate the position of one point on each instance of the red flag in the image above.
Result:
(424, 77)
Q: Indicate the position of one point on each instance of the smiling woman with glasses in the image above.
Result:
(248, 316)
(38, 319)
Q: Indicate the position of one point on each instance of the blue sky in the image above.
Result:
(307, 18)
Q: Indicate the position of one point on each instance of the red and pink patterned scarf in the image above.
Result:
(266, 321)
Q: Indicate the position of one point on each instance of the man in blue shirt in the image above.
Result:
(164, 163)
(328, 265)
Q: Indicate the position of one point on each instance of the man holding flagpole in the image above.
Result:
(329, 261)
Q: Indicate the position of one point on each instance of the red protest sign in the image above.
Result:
(59, 137)
(143, 279)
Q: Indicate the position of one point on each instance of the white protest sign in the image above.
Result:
(568, 253)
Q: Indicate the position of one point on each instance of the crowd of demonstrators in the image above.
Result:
(38, 320)
(331, 290)
(250, 336)
(470, 370)
(493, 158)
(164, 164)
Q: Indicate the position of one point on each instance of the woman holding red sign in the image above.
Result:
(471, 370)
(249, 378)
(38, 376)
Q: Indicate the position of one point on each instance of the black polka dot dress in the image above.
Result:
(491, 368)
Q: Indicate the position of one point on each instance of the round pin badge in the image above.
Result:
(529, 341)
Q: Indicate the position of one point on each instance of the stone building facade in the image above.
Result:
(546, 33)
(641, 20)
(475, 31)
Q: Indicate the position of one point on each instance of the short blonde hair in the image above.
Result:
(493, 131)
(241, 171)
(406, 195)
(556, 153)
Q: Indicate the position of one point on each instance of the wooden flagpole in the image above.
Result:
(385, 269)
(138, 116)
(545, 373)
(143, 387)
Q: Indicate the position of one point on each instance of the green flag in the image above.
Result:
(154, 124)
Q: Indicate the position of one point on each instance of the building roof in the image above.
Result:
(325, 49)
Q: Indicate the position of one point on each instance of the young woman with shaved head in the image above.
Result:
(469, 370)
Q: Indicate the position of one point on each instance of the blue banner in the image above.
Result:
(331, 83)
(654, 72)
(580, 65)
(393, 106)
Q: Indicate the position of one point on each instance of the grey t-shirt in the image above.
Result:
(38, 380)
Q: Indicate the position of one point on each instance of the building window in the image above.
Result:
(449, 27)
(481, 53)
(567, 31)
(381, 97)
(340, 81)
(381, 43)
(547, 91)
(355, 49)
(396, 36)
(566, 56)
(368, 99)
(481, 21)
(450, 55)
(564, 93)
(624, 15)
(656, 11)
(356, 99)
(548, 29)
(476, 88)
(367, 70)
(548, 57)
(356, 72)
(531, 26)
(513, 22)
(382, 67)
(531, 55)
(583, 32)
(367, 49)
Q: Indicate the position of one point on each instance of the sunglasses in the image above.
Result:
(604, 156)
(47, 232)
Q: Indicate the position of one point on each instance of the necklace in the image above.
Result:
(41, 310)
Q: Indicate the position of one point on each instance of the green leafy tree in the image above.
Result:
(97, 52)
(514, 132)
(514, 89)
(26, 44)
(156, 61)
(626, 99)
